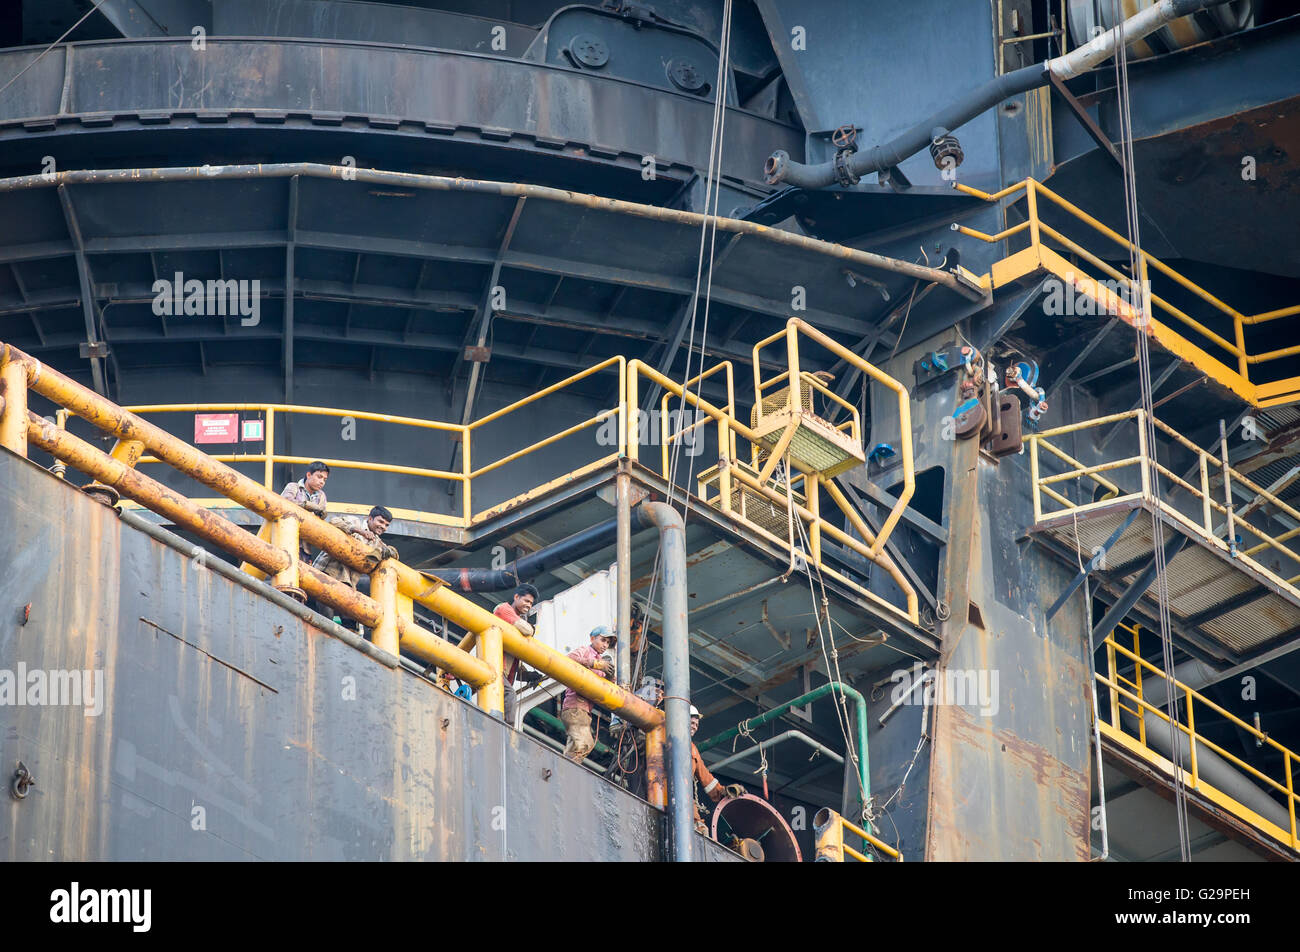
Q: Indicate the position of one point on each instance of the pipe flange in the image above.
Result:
(104, 495)
(776, 166)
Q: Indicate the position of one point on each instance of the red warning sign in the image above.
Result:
(216, 427)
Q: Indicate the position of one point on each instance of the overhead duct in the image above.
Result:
(937, 130)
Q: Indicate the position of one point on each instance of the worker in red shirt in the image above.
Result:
(515, 612)
(575, 711)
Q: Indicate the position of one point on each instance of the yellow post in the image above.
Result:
(724, 469)
(1243, 365)
(1142, 451)
(633, 438)
(1031, 197)
(466, 484)
(492, 696)
(795, 402)
(383, 589)
(13, 412)
(1290, 799)
(1114, 680)
(813, 490)
(268, 450)
(1191, 733)
(1033, 478)
(656, 784)
(830, 836)
(1205, 495)
(1137, 677)
(284, 536)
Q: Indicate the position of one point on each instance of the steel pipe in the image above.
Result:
(781, 169)
(677, 678)
(779, 739)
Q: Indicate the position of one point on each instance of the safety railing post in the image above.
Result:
(794, 382)
(656, 776)
(1290, 799)
(812, 490)
(633, 438)
(1033, 478)
(726, 452)
(1206, 513)
(1112, 671)
(466, 484)
(284, 536)
(1142, 452)
(268, 467)
(13, 404)
(383, 589)
(1191, 734)
(829, 828)
(1243, 364)
(492, 696)
(1031, 198)
(1137, 677)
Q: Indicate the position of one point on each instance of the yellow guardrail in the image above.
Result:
(1038, 258)
(274, 412)
(1126, 695)
(733, 471)
(1222, 536)
(830, 827)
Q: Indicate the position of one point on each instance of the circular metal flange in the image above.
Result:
(589, 50)
(683, 74)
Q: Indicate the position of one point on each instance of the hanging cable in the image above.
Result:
(1141, 296)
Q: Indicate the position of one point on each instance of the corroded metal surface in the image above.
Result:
(232, 730)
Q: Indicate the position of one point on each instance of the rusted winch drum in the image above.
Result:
(754, 829)
(1086, 16)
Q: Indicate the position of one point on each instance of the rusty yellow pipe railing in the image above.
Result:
(829, 828)
(396, 585)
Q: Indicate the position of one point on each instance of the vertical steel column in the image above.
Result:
(623, 490)
(677, 678)
(13, 412)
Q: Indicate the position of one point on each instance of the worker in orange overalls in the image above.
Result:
(700, 774)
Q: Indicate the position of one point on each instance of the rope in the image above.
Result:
(1142, 298)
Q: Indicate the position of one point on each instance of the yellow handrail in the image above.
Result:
(1149, 469)
(1041, 258)
(1189, 697)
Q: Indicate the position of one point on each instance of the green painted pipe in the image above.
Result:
(860, 707)
(550, 720)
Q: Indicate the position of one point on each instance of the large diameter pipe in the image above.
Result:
(781, 169)
(677, 678)
(255, 497)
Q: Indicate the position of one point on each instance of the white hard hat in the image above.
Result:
(695, 712)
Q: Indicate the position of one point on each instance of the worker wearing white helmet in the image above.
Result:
(712, 788)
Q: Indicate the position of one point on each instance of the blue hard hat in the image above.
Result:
(604, 630)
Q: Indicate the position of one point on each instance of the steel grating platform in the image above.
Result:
(1230, 601)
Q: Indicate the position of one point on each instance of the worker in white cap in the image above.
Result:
(712, 788)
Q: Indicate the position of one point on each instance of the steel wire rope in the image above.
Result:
(1140, 294)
